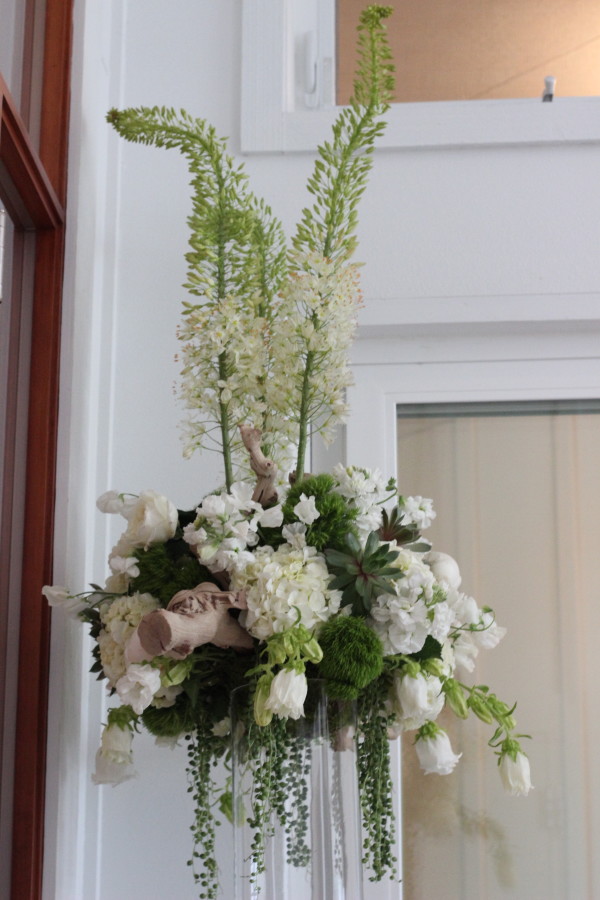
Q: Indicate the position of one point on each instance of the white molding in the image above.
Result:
(270, 124)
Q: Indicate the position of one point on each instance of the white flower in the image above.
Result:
(152, 519)
(124, 565)
(417, 699)
(444, 568)
(285, 587)
(271, 517)
(222, 728)
(435, 753)
(166, 695)
(114, 759)
(306, 510)
(491, 635)
(295, 535)
(515, 773)
(120, 618)
(418, 511)
(113, 502)
(137, 687)
(59, 596)
(465, 652)
(287, 694)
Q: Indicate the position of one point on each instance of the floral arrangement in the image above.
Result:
(275, 578)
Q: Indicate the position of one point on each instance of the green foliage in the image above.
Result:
(352, 656)
(170, 721)
(336, 518)
(362, 574)
(168, 568)
(376, 788)
(341, 170)
(393, 529)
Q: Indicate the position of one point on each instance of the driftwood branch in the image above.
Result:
(192, 618)
(264, 469)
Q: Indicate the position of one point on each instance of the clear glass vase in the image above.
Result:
(296, 802)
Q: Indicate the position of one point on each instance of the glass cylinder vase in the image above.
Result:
(296, 802)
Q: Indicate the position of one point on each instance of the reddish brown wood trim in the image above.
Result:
(32, 202)
(31, 734)
(56, 93)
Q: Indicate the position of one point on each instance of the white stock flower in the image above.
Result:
(152, 519)
(435, 753)
(306, 510)
(515, 774)
(60, 597)
(465, 652)
(444, 568)
(114, 759)
(417, 700)
(418, 511)
(137, 687)
(287, 694)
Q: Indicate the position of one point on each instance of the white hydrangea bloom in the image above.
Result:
(285, 587)
(120, 618)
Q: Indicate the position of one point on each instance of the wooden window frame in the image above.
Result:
(34, 194)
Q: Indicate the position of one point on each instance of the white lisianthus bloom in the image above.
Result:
(271, 517)
(166, 695)
(295, 535)
(137, 687)
(222, 728)
(113, 502)
(306, 510)
(417, 699)
(287, 694)
(444, 568)
(152, 519)
(515, 773)
(114, 759)
(59, 596)
(465, 652)
(491, 634)
(417, 511)
(435, 752)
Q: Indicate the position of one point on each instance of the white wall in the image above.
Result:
(444, 230)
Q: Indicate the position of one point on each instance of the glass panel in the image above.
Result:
(12, 34)
(517, 495)
(482, 49)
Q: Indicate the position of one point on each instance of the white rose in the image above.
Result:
(418, 699)
(137, 687)
(515, 774)
(444, 568)
(114, 759)
(306, 510)
(59, 596)
(152, 519)
(287, 694)
(435, 753)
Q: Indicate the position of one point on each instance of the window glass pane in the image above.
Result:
(12, 31)
(516, 495)
(482, 49)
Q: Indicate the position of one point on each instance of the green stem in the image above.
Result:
(304, 420)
